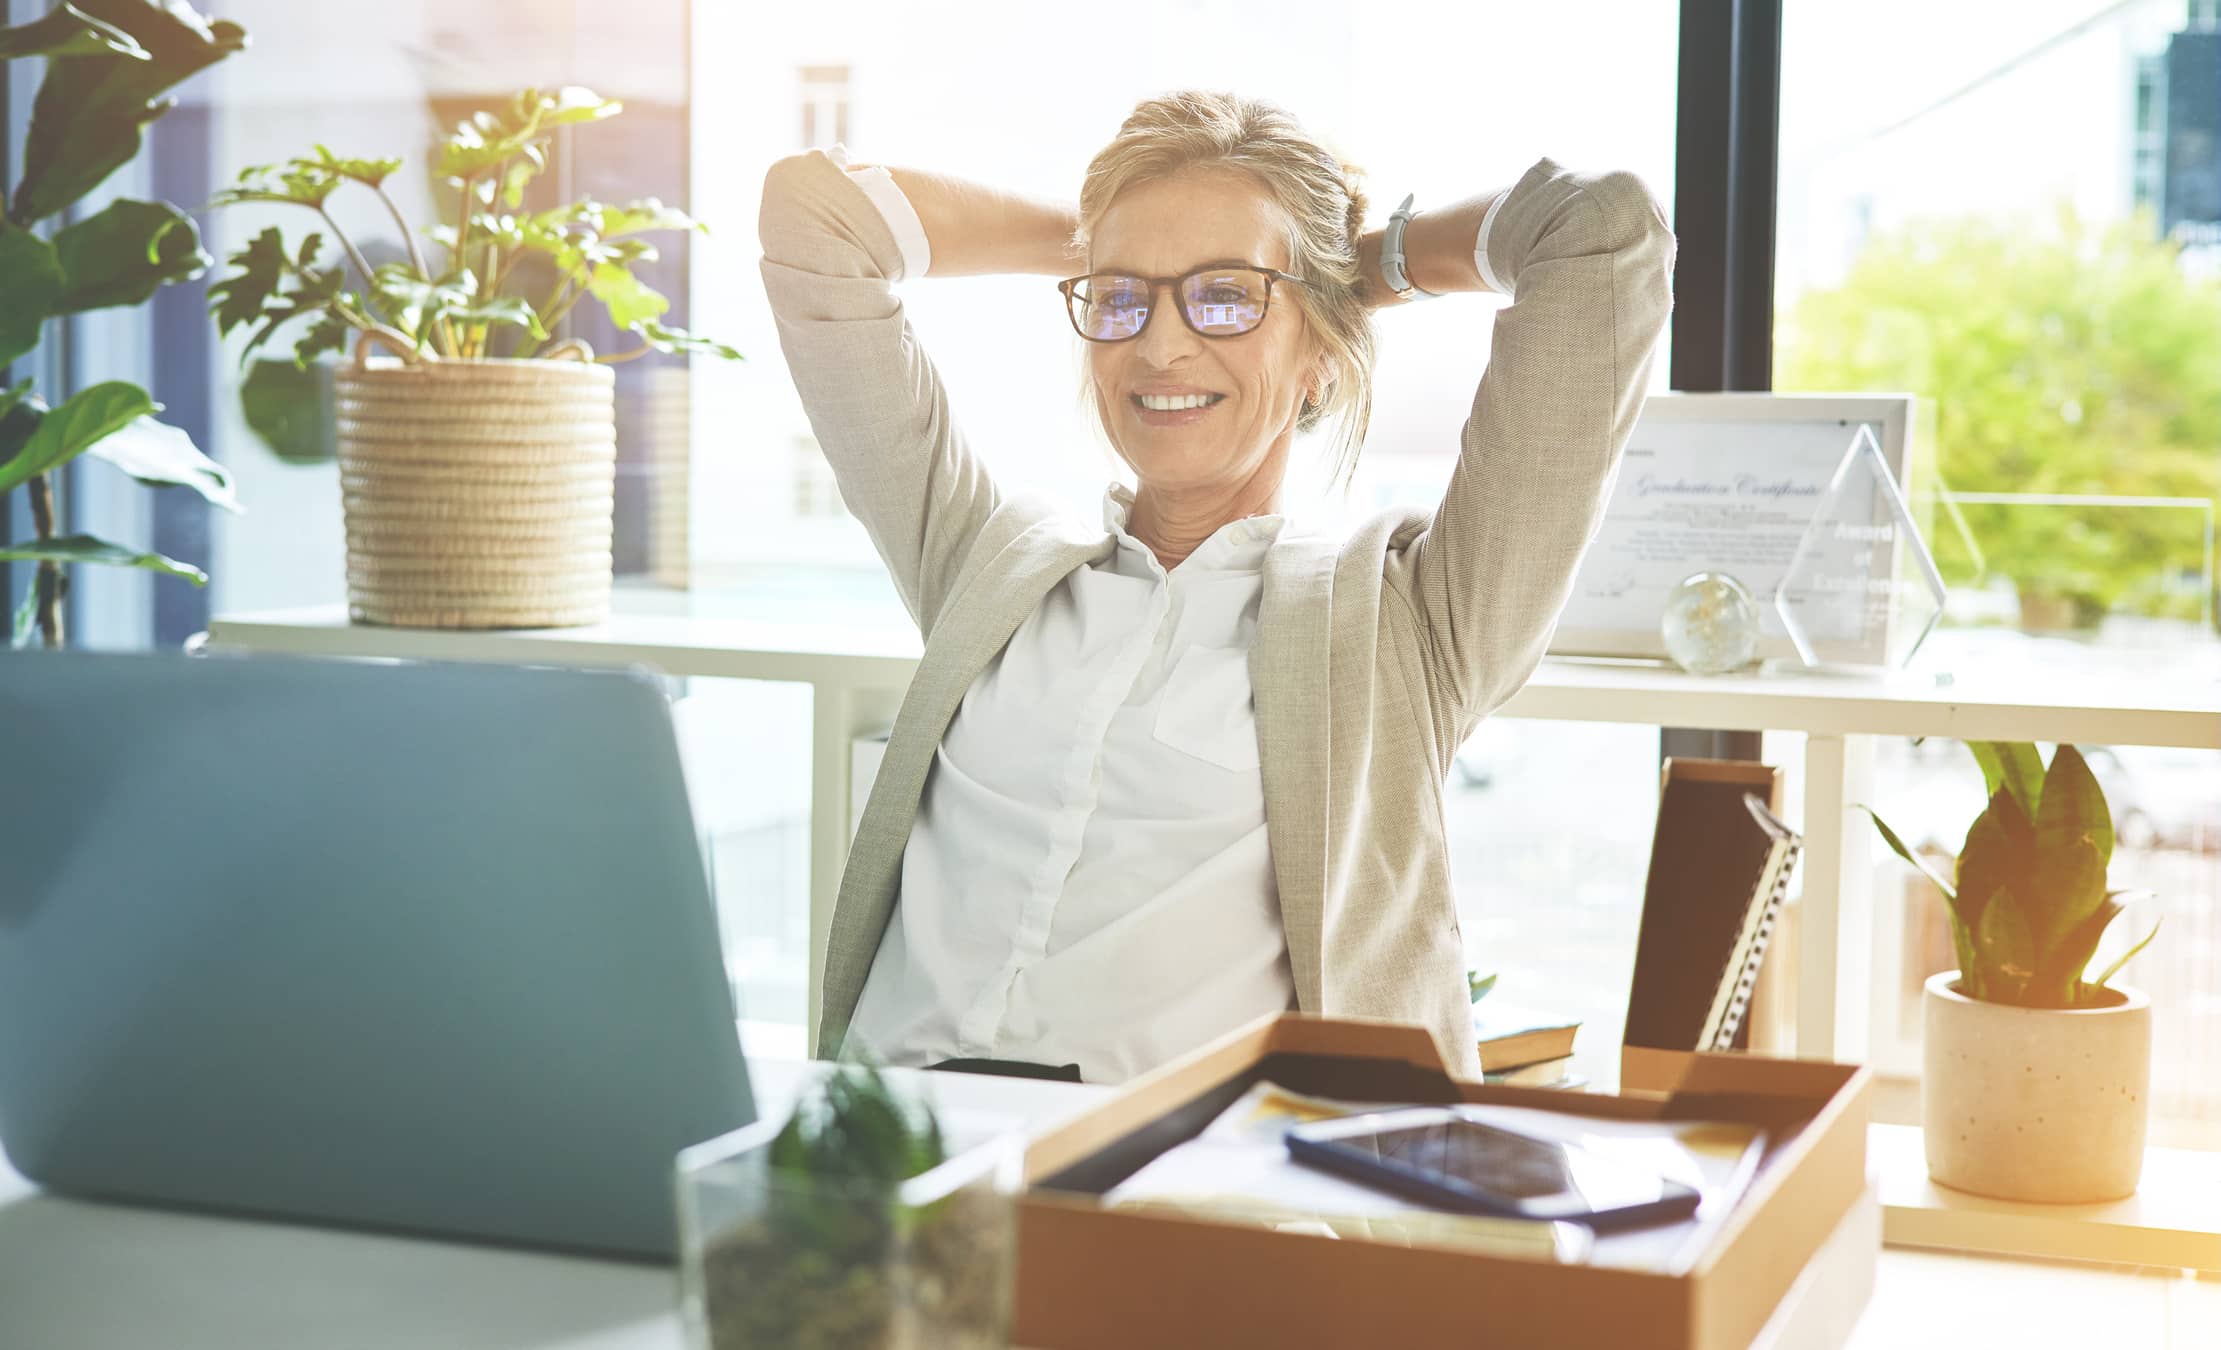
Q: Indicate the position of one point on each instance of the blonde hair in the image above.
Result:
(1314, 188)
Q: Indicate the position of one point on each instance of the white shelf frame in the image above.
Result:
(857, 679)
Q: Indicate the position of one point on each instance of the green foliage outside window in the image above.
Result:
(2061, 357)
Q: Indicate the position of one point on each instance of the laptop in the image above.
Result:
(411, 947)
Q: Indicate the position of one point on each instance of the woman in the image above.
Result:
(1155, 780)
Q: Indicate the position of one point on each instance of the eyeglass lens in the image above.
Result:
(1222, 302)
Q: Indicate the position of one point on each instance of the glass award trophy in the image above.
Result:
(1861, 589)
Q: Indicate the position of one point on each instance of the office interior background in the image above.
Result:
(2011, 210)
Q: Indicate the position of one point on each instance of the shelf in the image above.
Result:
(665, 634)
(2172, 1222)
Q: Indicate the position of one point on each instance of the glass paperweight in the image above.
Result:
(773, 1257)
(1710, 624)
(1861, 588)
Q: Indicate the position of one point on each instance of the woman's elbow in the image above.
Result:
(787, 194)
(1634, 218)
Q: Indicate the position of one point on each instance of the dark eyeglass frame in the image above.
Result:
(1072, 301)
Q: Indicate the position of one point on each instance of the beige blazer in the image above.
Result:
(1376, 654)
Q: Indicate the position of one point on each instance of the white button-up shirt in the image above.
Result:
(1088, 879)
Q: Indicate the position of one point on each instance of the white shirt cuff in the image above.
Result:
(1480, 248)
(894, 208)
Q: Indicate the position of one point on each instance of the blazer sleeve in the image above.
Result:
(1588, 260)
(873, 397)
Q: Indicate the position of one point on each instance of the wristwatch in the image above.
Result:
(1400, 285)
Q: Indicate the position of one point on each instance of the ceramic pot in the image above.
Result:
(2038, 1104)
(477, 494)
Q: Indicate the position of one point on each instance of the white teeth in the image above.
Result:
(1167, 403)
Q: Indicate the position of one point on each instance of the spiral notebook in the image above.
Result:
(1719, 870)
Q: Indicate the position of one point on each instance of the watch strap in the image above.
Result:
(1392, 271)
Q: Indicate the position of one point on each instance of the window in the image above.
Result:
(2022, 225)
(824, 105)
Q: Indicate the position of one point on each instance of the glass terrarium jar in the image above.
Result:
(771, 1257)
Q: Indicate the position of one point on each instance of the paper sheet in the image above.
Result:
(1239, 1169)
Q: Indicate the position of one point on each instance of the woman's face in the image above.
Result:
(1167, 228)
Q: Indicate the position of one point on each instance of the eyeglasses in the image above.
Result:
(1215, 301)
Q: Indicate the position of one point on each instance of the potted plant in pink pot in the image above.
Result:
(2035, 1082)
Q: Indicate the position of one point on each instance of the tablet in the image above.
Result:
(1443, 1157)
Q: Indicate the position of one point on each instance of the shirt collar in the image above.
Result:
(1237, 546)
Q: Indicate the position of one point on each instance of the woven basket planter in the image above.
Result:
(477, 494)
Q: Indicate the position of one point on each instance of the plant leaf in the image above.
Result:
(648, 213)
(574, 103)
(125, 252)
(20, 413)
(1970, 962)
(515, 178)
(1889, 836)
(160, 455)
(240, 298)
(2110, 971)
(87, 119)
(2004, 947)
(31, 285)
(679, 340)
(369, 172)
(68, 431)
(2071, 956)
(83, 548)
(1996, 853)
(2073, 808)
(630, 300)
(416, 304)
(285, 406)
(507, 309)
(329, 333)
(1477, 985)
(2014, 765)
(66, 30)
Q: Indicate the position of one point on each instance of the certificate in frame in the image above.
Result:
(1724, 483)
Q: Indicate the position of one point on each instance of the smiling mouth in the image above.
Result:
(1184, 404)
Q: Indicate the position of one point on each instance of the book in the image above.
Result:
(1720, 864)
(1547, 1073)
(1732, 998)
(1511, 1036)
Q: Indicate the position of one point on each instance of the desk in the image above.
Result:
(76, 1276)
(857, 677)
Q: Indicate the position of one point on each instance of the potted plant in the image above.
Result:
(2035, 1082)
(107, 62)
(478, 453)
(849, 1226)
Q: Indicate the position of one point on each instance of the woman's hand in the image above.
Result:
(977, 230)
(1438, 252)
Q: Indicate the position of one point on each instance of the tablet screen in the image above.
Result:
(1512, 1165)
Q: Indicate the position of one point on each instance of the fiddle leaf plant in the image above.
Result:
(2027, 897)
(458, 309)
(107, 64)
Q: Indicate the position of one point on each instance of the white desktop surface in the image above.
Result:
(80, 1276)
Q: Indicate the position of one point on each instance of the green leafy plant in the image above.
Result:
(834, 1256)
(2061, 356)
(2027, 895)
(107, 62)
(460, 309)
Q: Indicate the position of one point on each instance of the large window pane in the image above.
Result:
(2022, 225)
